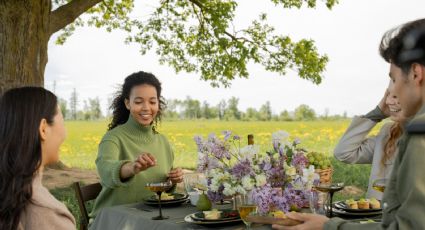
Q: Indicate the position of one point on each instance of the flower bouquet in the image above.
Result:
(279, 179)
(230, 169)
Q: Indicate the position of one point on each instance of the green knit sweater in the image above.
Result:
(121, 145)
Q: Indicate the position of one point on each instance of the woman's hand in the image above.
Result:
(176, 175)
(141, 163)
(310, 221)
(383, 105)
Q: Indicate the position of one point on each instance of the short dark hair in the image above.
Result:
(404, 45)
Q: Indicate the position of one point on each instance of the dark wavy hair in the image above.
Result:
(21, 111)
(119, 112)
(404, 45)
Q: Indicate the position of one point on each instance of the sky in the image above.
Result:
(95, 62)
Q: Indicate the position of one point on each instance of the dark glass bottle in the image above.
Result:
(250, 139)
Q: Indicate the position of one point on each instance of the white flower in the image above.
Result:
(261, 180)
(266, 159)
(309, 176)
(291, 171)
(239, 189)
(298, 183)
(249, 152)
(280, 136)
(247, 183)
(228, 190)
(214, 185)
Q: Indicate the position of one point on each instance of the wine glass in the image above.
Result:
(158, 188)
(331, 189)
(317, 202)
(245, 206)
(379, 184)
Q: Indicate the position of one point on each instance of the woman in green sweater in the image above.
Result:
(132, 153)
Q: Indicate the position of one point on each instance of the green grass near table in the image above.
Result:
(80, 147)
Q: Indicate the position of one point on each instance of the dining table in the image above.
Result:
(139, 216)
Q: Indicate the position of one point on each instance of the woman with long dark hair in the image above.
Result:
(31, 131)
(132, 153)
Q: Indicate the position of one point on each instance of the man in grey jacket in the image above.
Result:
(404, 197)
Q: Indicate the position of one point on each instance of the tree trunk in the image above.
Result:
(24, 35)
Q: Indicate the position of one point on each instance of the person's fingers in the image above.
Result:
(281, 227)
(142, 162)
(148, 160)
(176, 173)
(298, 216)
(151, 157)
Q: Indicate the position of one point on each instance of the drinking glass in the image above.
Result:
(190, 180)
(158, 188)
(331, 189)
(245, 207)
(318, 201)
(379, 184)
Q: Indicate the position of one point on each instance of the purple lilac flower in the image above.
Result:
(219, 150)
(296, 198)
(216, 196)
(241, 169)
(267, 166)
(227, 135)
(269, 197)
(274, 171)
(206, 163)
(281, 150)
(199, 143)
(236, 137)
(300, 161)
(211, 137)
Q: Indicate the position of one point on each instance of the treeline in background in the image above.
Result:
(193, 109)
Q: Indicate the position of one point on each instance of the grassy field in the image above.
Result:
(80, 148)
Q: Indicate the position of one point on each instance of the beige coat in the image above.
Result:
(404, 196)
(44, 211)
(356, 148)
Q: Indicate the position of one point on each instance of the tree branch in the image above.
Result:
(67, 13)
(202, 8)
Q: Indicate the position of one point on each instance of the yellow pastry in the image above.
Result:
(352, 204)
(363, 204)
(374, 203)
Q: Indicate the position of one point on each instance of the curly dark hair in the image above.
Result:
(404, 45)
(120, 112)
(21, 111)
